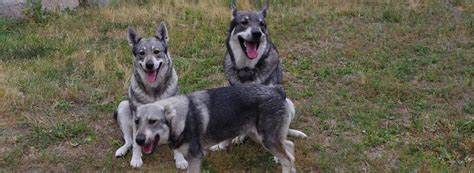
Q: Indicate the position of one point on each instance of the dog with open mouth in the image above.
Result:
(153, 78)
(191, 123)
(251, 57)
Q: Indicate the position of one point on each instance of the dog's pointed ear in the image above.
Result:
(233, 9)
(177, 123)
(162, 32)
(265, 8)
(132, 36)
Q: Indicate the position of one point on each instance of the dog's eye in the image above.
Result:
(142, 53)
(152, 121)
(156, 51)
(262, 24)
(244, 22)
(136, 121)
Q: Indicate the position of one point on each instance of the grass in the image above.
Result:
(378, 85)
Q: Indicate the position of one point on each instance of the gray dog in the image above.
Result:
(193, 122)
(153, 78)
(251, 57)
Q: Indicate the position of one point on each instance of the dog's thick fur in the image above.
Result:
(251, 57)
(193, 122)
(153, 78)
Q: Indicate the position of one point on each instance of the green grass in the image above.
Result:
(378, 86)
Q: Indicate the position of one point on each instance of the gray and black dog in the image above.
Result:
(251, 57)
(153, 78)
(192, 122)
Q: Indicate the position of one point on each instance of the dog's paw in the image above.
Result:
(181, 163)
(238, 139)
(121, 151)
(136, 162)
(217, 147)
(275, 159)
(296, 133)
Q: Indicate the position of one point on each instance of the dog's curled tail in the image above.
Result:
(292, 113)
(291, 108)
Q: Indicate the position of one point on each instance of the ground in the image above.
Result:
(378, 85)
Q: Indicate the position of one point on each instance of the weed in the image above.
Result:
(469, 107)
(390, 15)
(76, 132)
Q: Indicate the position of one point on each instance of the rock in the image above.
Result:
(12, 8)
(100, 3)
(59, 4)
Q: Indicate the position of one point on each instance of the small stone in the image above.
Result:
(12, 8)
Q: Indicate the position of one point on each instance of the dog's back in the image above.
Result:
(230, 108)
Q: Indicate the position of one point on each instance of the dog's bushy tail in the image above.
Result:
(292, 113)
(291, 108)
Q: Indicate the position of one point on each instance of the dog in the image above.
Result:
(251, 57)
(153, 78)
(192, 122)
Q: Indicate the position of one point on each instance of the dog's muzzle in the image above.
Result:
(150, 147)
(140, 139)
(151, 73)
(256, 34)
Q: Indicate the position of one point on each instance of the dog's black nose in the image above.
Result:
(256, 33)
(140, 139)
(149, 66)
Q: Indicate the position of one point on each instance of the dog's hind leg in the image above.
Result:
(289, 147)
(239, 139)
(290, 153)
(221, 146)
(124, 120)
(284, 151)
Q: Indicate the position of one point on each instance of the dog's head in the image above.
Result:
(151, 58)
(249, 30)
(152, 122)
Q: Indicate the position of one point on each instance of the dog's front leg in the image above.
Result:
(194, 165)
(136, 151)
(194, 153)
(181, 163)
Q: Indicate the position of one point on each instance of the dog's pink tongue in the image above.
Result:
(151, 76)
(147, 149)
(251, 50)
